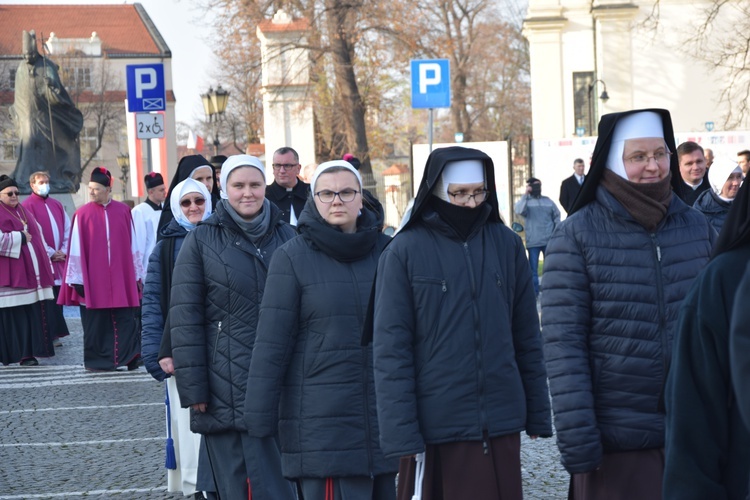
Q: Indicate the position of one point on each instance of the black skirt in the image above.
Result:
(22, 334)
(111, 337)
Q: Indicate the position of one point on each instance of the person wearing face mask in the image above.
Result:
(615, 274)
(459, 371)
(217, 287)
(725, 178)
(541, 216)
(55, 223)
(313, 309)
(190, 204)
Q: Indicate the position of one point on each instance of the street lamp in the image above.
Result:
(123, 161)
(604, 96)
(214, 104)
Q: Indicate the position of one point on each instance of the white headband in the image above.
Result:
(720, 171)
(237, 161)
(645, 124)
(458, 172)
(332, 164)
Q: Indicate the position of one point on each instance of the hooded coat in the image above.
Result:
(217, 287)
(310, 375)
(457, 350)
(611, 296)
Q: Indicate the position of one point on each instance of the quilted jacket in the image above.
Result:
(310, 375)
(611, 295)
(217, 287)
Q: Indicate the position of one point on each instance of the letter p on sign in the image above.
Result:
(145, 79)
(430, 83)
(429, 74)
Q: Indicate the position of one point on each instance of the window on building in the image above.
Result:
(77, 78)
(584, 103)
(12, 78)
(87, 139)
(8, 150)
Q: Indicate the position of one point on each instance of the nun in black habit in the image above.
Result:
(707, 444)
(615, 273)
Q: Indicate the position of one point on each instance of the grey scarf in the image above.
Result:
(255, 229)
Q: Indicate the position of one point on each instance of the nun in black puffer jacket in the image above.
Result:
(310, 377)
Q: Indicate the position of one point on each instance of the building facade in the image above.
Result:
(92, 45)
(643, 53)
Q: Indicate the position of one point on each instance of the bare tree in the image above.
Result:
(93, 87)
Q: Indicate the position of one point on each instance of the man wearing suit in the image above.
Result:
(570, 186)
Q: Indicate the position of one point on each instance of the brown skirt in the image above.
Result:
(463, 470)
(622, 475)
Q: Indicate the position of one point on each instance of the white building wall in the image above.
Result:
(642, 66)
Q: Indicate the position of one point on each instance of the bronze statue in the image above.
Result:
(47, 121)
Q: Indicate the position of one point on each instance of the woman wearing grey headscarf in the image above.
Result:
(219, 280)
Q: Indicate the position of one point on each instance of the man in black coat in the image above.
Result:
(288, 191)
(570, 186)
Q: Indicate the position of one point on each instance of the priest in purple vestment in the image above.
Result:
(55, 224)
(25, 281)
(104, 276)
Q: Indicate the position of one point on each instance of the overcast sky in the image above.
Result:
(192, 59)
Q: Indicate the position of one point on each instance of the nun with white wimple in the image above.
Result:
(310, 377)
(459, 371)
(190, 203)
(725, 179)
(615, 274)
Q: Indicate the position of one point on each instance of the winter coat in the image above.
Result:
(458, 354)
(310, 375)
(714, 208)
(541, 216)
(611, 296)
(288, 200)
(152, 319)
(707, 444)
(217, 287)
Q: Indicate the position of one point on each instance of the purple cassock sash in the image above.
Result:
(38, 206)
(107, 283)
(19, 273)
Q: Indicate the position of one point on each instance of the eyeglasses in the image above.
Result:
(641, 160)
(345, 196)
(11, 194)
(285, 166)
(463, 197)
(198, 202)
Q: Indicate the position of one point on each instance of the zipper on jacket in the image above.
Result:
(477, 340)
(661, 303)
(216, 344)
(365, 371)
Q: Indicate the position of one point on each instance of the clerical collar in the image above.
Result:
(153, 205)
(693, 186)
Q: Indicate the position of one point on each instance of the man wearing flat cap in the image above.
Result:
(103, 276)
(146, 215)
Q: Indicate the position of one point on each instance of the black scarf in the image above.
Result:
(463, 220)
(344, 247)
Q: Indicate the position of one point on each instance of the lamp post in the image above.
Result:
(604, 96)
(123, 161)
(214, 104)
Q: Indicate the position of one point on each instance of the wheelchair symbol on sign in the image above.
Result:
(150, 126)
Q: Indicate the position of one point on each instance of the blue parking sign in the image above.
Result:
(430, 83)
(145, 87)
